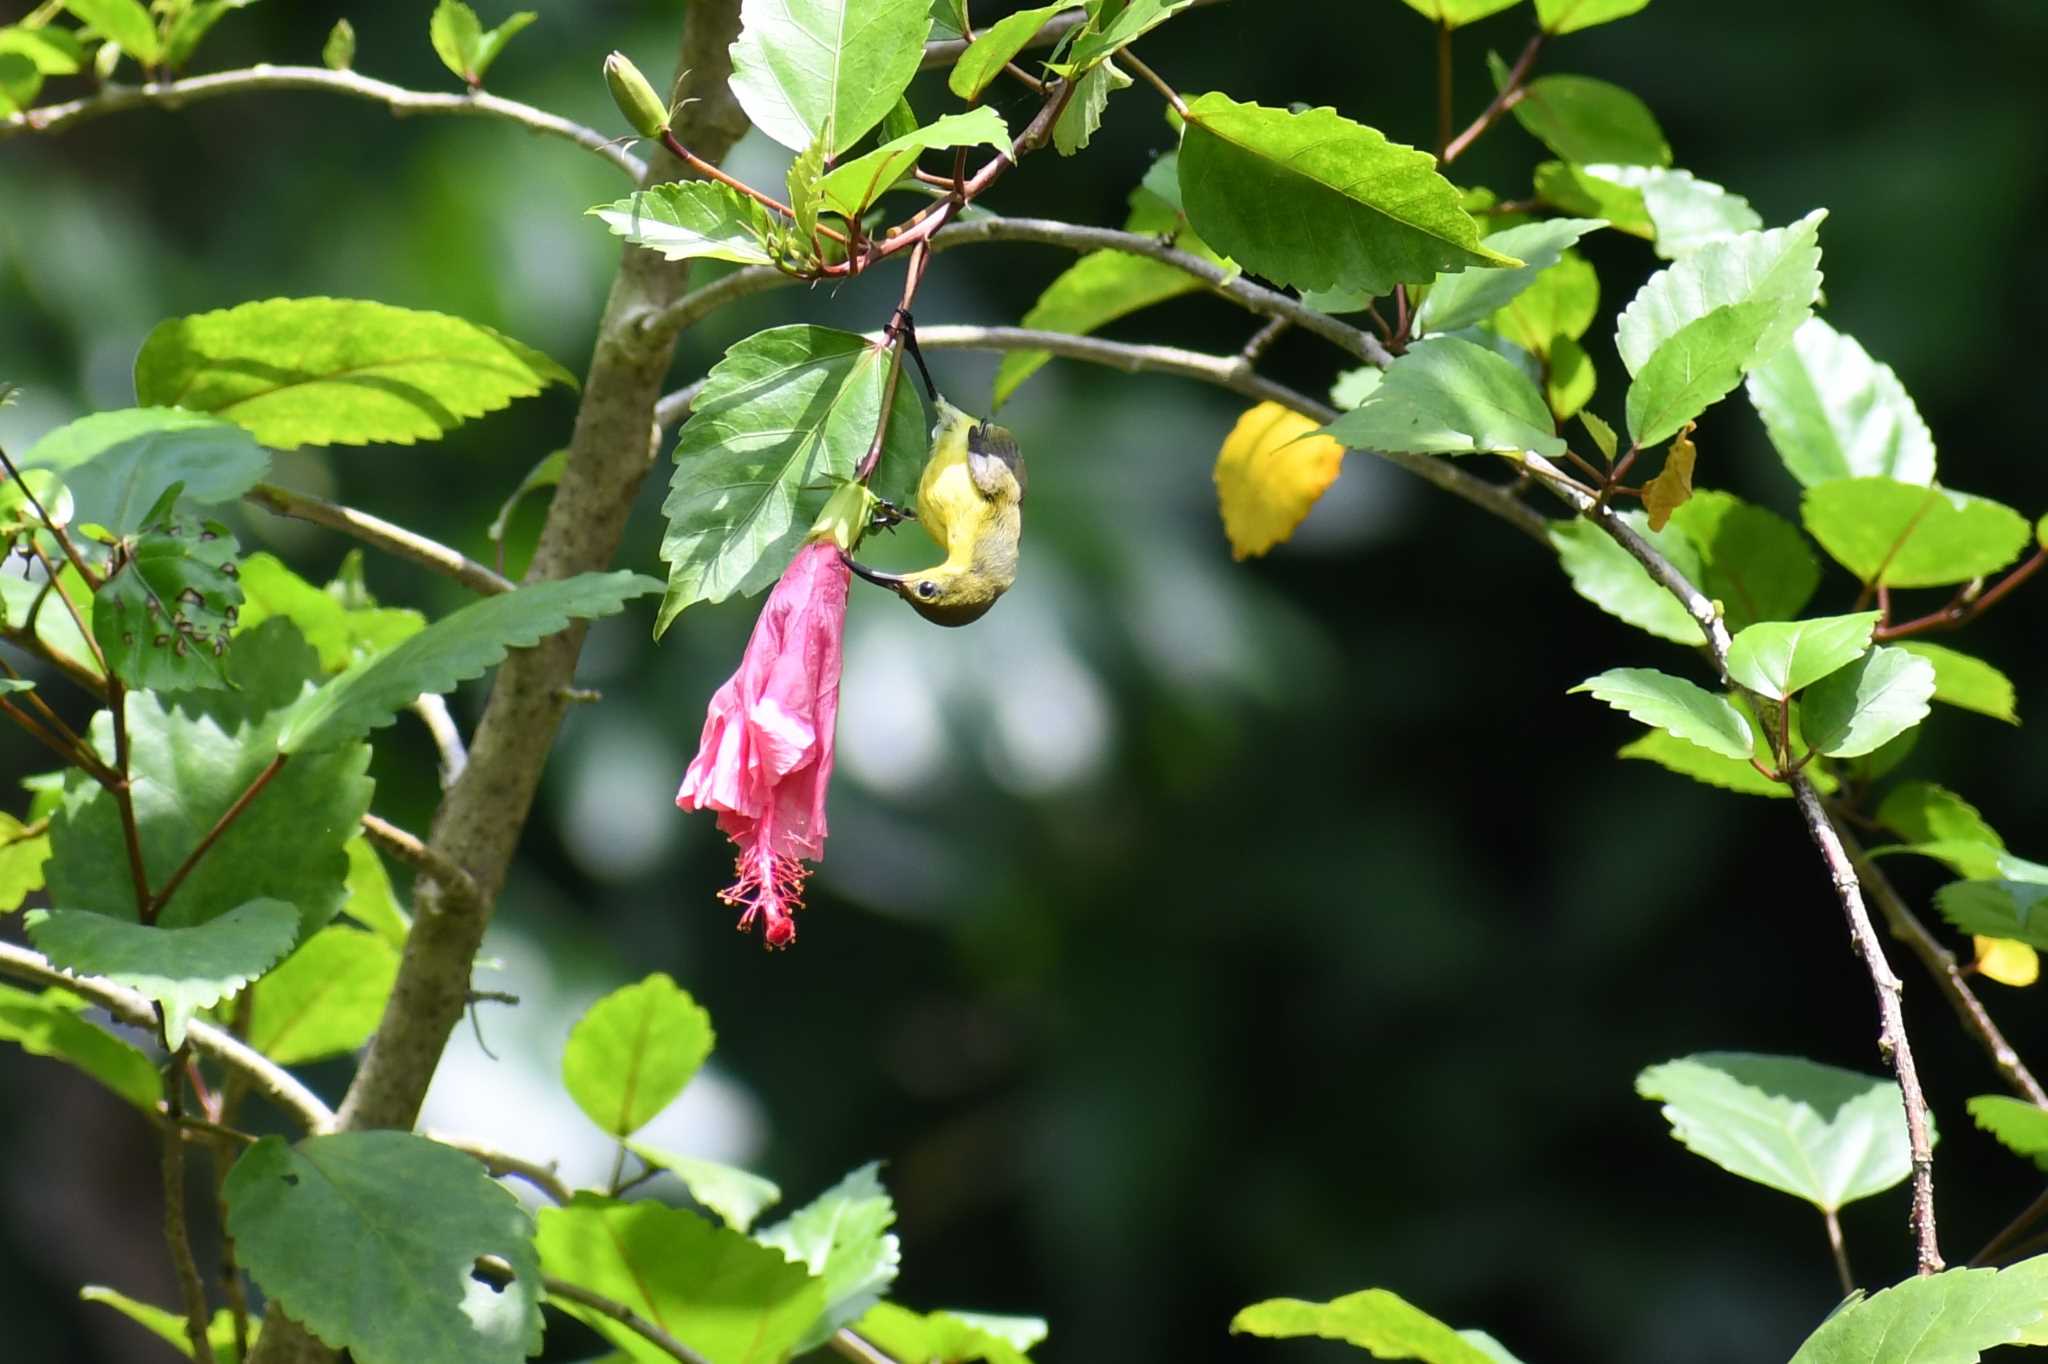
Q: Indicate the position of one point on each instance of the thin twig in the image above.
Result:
(156, 904)
(502, 1163)
(146, 904)
(1962, 611)
(1510, 92)
(408, 848)
(276, 1083)
(847, 1345)
(1128, 58)
(190, 1287)
(1840, 1252)
(113, 99)
(1262, 339)
(432, 708)
(380, 534)
(625, 1316)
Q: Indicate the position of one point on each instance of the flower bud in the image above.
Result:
(845, 516)
(635, 97)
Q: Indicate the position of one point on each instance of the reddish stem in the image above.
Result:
(1510, 94)
(220, 826)
(1959, 613)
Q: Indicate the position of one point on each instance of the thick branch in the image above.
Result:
(114, 99)
(273, 1081)
(378, 533)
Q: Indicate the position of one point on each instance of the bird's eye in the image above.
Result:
(927, 589)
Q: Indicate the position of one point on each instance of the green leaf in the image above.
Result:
(1383, 1324)
(945, 1337)
(1922, 812)
(1968, 683)
(190, 762)
(1577, 190)
(169, 1326)
(116, 465)
(1128, 23)
(1469, 297)
(2019, 1126)
(546, 474)
(1690, 760)
(452, 649)
(1778, 658)
(51, 51)
(1458, 13)
(1604, 574)
(494, 41)
(1446, 396)
(183, 969)
(1569, 16)
(165, 611)
(1001, 41)
(785, 414)
(1353, 386)
(692, 219)
(1677, 209)
(370, 1240)
(324, 999)
(842, 1237)
(1868, 704)
(1752, 560)
(736, 1195)
(1904, 535)
(1703, 322)
(1077, 123)
(1094, 291)
(1559, 302)
(339, 633)
(1946, 1318)
(25, 601)
(1586, 120)
(458, 37)
(1320, 202)
(632, 1052)
(803, 178)
(371, 901)
(122, 22)
(2015, 909)
(730, 1300)
(849, 189)
(334, 371)
(1677, 707)
(1827, 1135)
(48, 1024)
(1833, 412)
(338, 53)
(831, 69)
(191, 27)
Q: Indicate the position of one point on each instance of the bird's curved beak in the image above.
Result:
(888, 580)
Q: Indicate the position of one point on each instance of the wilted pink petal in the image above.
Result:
(765, 760)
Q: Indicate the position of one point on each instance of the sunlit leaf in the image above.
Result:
(1586, 121)
(1469, 296)
(1778, 658)
(50, 1024)
(692, 219)
(633, 1051)
(843, 1238)
(1672, 487)
(1751, 560)
(1001, 41)
(1833, 412)
(1904, 535)
(737, 1196)
(1458, 13)
(1269, 473)
(2007, 962)
(325, 998)
(1997, 909)
(169, 1326)
(1676, 706)
(1968, 683)
(941, 1337)
(1856, 709)
(1946, 1318)
(1382, 1323)
(117, 464)
(1447, 396)
(850, 188)
(125, 22)
(806, 69)
(1569, 16)
(1605, 574)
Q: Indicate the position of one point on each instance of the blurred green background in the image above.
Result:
(1190, 932)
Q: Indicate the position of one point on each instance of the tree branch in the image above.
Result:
(378, 533)
(114, 99)
(271, 1080)
(502, 1163)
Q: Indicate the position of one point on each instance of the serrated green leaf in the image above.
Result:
(1832, 412)
(849, 189)
(302, 1217)
(493, 42)
(727, 1298)
(2015, 909)
(1383, 1324)
(1458, 13)
(457, 36)
(1922, 812)
(1703, 322)
(457, 647)
(737, 1196)
(1868, 704)
(340, 634)
(692, 219)
(1354, 386)
(1559, 302)
(1827, 1135)
(1588, 121)
(183, 969)
(48, 1024)
(633, 1051)
(1904, 535)
(1000, 42)
(1690, 760)
(1752, 560)
(1676, 209)
(1128, 23)
(2020, 1127)
(1569, 16)
(1320, 202)
(1604, 574)
(191, 762)
(165, 611)
(117, 464)
(1077, 123)
(842, 1237)
(832, 69)
(787, 413)
(371, 901)
(802, 178)
(338, 53)
(325, 998)
(1575, 189)
(1676, 706)
(1968, 683)
(1470, 296)
(1946, 1318)
(941, 1337)
(1778, 658)
(23, 850)
(125, 23)
(1446, 396)
(332, 371)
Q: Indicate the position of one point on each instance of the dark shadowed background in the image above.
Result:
(1190, 932)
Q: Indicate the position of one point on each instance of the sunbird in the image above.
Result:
(970, 501)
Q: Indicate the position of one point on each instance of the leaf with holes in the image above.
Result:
(168, 606)
(843, 1238)
(1778, 658)
(633, 1051)
(456, 647)
(1446, 396)
(370, 1240)
(1946, 1318)
(693, 219)
(737, 1196)
(325, 998)
(832, 69)
(1320, 202)
(1382, 1323)
(1833, 412)
(182, 969)
(1678, 707)
(1904, 535)
(1827, 1135)
(337, 371)
(1868, 704)
(50, 1024)
(116, 465)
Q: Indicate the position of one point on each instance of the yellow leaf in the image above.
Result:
(1267, 477)
(2007, 962)
(1672, 486)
